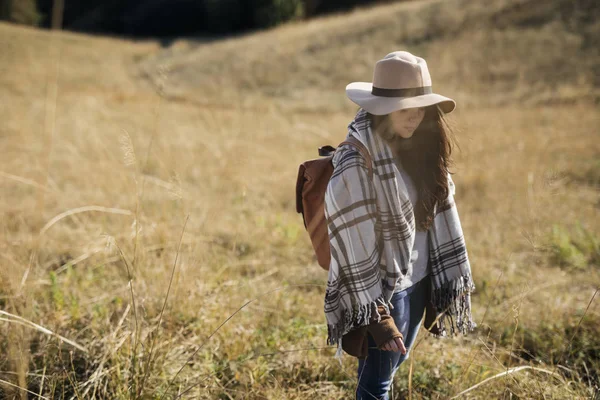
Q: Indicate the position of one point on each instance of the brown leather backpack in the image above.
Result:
(313, 178)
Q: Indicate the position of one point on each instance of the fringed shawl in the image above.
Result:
(371, 230)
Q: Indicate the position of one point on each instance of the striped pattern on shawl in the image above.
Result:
(371, 230)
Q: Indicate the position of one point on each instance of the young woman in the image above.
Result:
(397, 246)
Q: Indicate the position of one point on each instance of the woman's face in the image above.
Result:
(404, 122)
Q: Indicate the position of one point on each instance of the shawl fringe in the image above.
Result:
(452, 301)
(356, 317)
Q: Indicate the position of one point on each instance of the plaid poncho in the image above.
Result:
(371, 230)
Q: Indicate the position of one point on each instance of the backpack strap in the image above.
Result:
(363, 150)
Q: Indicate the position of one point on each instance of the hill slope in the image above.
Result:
(492, 52)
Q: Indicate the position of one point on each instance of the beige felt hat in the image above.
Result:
(400, 80)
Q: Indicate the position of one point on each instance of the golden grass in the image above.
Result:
(231, 305)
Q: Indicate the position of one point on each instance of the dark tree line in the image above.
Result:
(170, 17)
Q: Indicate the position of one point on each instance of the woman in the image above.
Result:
(397, 246)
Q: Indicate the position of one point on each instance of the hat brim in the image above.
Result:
(360, 93)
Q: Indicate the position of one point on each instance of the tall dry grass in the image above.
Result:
(150, 246)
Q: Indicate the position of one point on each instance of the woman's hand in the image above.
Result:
(395, 344)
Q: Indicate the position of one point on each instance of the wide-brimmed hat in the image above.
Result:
(400, 80)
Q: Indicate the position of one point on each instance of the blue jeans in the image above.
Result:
(376, 372)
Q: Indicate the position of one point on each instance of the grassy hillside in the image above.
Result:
(147, 196)
(495, 52)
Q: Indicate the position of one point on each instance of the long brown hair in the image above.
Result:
(425, 157)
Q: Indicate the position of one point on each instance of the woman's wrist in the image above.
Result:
(384, 330)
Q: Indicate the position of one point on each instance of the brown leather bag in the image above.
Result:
(313, 178)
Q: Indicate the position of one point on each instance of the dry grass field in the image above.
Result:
(149, 244)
